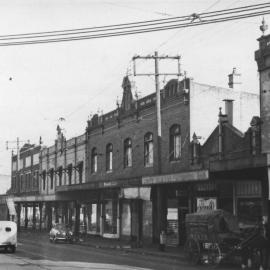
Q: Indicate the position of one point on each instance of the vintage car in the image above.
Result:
(8, 235)
(61, 232)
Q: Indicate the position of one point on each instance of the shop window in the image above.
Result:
(51, 177)
(127, 153)
(69, 171)
(175, 142)
(109, 157)
(37, 217)
(44, 179)
(29, 216)
(80, 170)
(22, 216)
(110, 218)
(92, 218)
(148, 150)
(94, 160)
(60, 175)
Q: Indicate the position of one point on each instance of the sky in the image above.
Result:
(77, 79)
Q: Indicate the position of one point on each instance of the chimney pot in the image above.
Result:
(235, 80)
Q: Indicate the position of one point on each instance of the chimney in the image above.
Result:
(235, 80)
(229, 110)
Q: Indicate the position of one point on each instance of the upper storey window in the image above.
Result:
(127, 153)
(94, 160)
(69, 173)
(109, 157)
(175, 142)
(148, 149)
(80, 170)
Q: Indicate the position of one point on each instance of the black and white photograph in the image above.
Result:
(135, 134)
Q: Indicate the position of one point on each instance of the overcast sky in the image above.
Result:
(76, 79)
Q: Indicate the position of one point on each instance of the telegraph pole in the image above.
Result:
(156, 58)
(160, 204)
(10, 146)
(17, 147)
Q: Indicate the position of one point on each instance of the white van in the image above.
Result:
(8, 235)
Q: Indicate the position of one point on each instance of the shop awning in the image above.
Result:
(136, 193)
(11, 206)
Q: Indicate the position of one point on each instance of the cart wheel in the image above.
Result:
(214, 255)
(192, 251)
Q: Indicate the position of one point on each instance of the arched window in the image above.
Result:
(60, 175)
(51, 177)
(127, 153)
(109, 157)
(44, 180)
(175, 142)
(148, 149)
(80, 171)
(94, 160)
(69, 172)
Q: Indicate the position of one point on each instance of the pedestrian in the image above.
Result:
(265, 244)
(162, 241)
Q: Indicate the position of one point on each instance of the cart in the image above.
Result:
(212, 236)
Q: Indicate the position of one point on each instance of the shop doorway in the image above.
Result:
(136, 221)
(172, 226)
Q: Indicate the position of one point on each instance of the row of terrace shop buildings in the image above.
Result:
(113, 181)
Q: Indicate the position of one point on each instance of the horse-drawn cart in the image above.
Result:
(212, 235)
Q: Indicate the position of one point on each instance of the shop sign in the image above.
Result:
(176, 178)
(206, 204)
(209, 186)
(136, 193)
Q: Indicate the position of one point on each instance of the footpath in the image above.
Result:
(175, 253)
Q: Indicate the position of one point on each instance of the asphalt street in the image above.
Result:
(33, 254)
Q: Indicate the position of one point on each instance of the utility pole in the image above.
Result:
(160, 204)
(17, 148)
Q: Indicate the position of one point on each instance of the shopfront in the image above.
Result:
(173, 198)
(243, 198)
(248, 200)
(136, 214)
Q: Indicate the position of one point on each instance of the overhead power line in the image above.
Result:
(141, 25)
(137, 28)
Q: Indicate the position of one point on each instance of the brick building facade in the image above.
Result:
(110, 182)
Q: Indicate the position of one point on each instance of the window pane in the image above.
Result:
(177, 146)
(151, 153)
(110, 163)
(94, 160)
(110, 224)
(95, 163)
(129, 157)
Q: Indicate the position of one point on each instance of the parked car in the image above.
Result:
(61, 232)
(8, 235)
